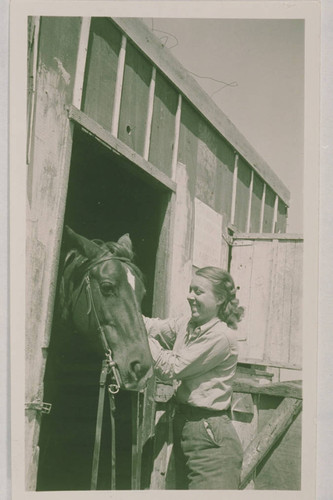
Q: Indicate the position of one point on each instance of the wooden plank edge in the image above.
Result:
(116, 145)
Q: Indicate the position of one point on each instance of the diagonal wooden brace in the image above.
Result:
(283, 417)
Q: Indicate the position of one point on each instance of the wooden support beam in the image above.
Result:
(149, 113)
(118, 88)
(81, 62)
(176, 139)
(248, 222)
(276, 204)
(234, 190)
(292, 389)
(254, 454)
(262, 210)
(118, 147)
(32, 90)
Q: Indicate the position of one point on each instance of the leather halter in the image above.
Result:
(109, 367)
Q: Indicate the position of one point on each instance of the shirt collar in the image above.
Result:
(194, 331)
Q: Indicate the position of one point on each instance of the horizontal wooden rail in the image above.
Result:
(116, 145)
(292, 389)
(267, 236)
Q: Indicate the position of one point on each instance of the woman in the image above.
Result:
(201, 354)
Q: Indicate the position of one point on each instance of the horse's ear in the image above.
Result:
(86, 247)
(125, 242)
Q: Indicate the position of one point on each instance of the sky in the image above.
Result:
(259, 68)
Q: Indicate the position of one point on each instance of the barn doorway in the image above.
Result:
(107, 197)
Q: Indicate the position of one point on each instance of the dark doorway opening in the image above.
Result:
(107, 197)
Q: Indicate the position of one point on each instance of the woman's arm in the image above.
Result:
(163, 330)
(200, 356)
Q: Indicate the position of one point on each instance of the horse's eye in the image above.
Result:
(107, 288)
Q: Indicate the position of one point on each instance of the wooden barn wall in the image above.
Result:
(134, 99)
(49, 166)
(268, 273)
(101, 71)
(213, 155)
(242, 194)
(163, 124)
(258, 189)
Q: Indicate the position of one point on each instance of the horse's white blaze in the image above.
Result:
(131, 278)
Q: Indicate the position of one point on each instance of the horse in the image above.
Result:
(98, 314)
(102, 290)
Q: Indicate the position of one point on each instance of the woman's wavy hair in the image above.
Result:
(230, 311)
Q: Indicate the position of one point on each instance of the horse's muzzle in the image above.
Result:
(139, 379)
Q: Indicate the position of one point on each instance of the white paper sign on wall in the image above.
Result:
(207, 236)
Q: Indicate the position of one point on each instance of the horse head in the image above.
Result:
(101, 293)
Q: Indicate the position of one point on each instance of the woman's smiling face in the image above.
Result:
(203, 302)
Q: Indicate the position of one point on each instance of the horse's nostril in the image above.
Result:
(136, 369)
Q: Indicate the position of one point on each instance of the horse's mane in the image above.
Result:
(75, 263)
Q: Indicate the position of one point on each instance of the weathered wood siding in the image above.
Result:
(257, 193)
(155, 97)
(268, 272)
(134, 99)
(163, 124)
(101, 71)
(49, 165)
(242, 194)
(147, 122)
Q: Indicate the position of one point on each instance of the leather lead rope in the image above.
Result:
(99, 422)
(108, 368)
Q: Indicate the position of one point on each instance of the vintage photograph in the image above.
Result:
(164, 292)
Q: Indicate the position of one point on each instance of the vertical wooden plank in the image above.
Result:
(281, 224)
(166, 103)
(224, 179)
(234, 190)
(81, 61)
(101, 71)
(118, 87)
(176, 139)
(269, 210)
(188, 143)
(248, 221)
(257, 195)
(31, 84)
(261, 277)
(276, 289)
(149, 113)
(242, 194)
(206, 164)
(50, 158)
(134, 99)
(262, 209)
(241, 271)
(295, 348)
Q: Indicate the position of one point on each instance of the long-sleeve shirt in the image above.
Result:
(203, 359)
